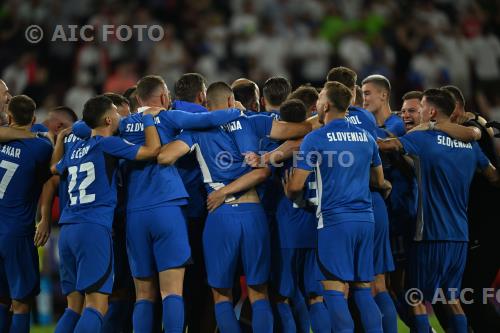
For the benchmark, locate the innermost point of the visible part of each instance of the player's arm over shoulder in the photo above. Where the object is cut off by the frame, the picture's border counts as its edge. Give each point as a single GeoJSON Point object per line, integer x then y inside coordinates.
{"type": "Point", "coordinates": [174, 150]}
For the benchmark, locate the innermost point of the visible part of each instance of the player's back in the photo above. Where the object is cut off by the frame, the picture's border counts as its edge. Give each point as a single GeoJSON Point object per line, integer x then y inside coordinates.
{"type": "Point", "coordinates": [218, 155]}
{"type": "Point", "coordinates": [147, 183]}
{"type": "Point", "coordinates": [393, 126]}
{"type": "Point", "coordinates": [90, 170]}
{"type": "Point", "coordinates": [445, 168]}
{"type": "Point", "coordinates": [24, 167]}
{"type": "Point", "coordinates": [297, 219]}
{"type": "Point", "coordinates": [343, 171]}
{"type": "Point", "coordinates": [363, 119]}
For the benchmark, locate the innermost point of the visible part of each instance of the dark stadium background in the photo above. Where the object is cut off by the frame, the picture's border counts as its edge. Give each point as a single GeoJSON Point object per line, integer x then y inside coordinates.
{"type": "Point", "coordinates": [416, 44]}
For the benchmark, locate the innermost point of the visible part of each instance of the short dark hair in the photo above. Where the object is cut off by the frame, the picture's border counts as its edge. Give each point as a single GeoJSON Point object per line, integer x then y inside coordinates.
{"type": "Point", "coordinates": [456, 92]}
{"type": "Point", "coordinates": [117, 99]}
{"type": "Point", "coordinates": [276, 90]}
{"type": "Point", "coordinates": [338, 95]}
{"type": "Point", "coordinates": [148, 85]}
{"type": "Point", "coordinates": [359, 96]}
{"type": "Point", "coordinates": [129, 94]}
{"type": "Point", "coordinates": [188, 86]}
{"type": "Point", "coordinates": [414, 94]}
{"type": "Point", "coordinates": [217, 91]}
{"type": "Point", "coordinates": [95, 109]}
{"type": "Point", "coordinates": [442, 99]}
{"type": "Point", "coordinates": [344, 75]}
{"type": "Point", "coordinates": [245, 94]}
{"type": "Point", "coordinates": [66, 110]}
{"type": "Point", "coordinates": [22, 109]}
{"type": "Point", "coordinates": [378, 80]}
{"type": "Point", "coordinates": [293, 111]}
{"type": "Point", "coordinates": [307, 94]}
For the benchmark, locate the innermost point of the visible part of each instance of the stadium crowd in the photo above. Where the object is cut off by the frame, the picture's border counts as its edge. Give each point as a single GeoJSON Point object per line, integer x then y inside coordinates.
{"type": "Point", "coordinates": [291, 199]}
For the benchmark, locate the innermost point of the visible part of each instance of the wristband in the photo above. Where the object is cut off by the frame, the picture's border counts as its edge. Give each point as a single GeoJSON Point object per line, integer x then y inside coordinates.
{"type": "Point", "coordinates": [148, 120]}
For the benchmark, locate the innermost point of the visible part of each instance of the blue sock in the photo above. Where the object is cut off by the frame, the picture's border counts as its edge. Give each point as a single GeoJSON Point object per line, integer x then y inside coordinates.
{"type": "Point", "coordinates": [301, 313]}
{"type": "Point", "coordinates": [368, 309]}
{"type": "Point", "coordinates": [459, 323]}
{"type": "Point", "coordinates": [67, 322]}
{"type": "Point", "coordinates": [90, 321]}
{"type": "Point", "coordinates": [320, 320]}
{"type": "Point", "coordinates": [422, 324]}
{"type": "Point", "coordinates": [262, 316]}
{"type": "Point", "coordinates": [143, 316]}
{"type": "Point", "coordinates": [388, 310]}
{"type": "Point", "coordinates": [173, 314]}
{"type": "Point", "coordinates": [340, 317]}
{"type": "Point", "coordinates": [20, 323]}
{"type": "Point", "coordinates": [226, 318]}
{"type": "Point", "coordinates": [4, 318]}
{"type": "Point", "coordinates": [286, 318]}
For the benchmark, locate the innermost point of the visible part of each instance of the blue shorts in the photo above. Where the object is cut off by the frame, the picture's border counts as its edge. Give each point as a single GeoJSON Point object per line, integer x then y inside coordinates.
{"type": "Point", "coordinates": [233, 233]}
{"type": "Point", "coordinates": [123, 277]}
{"type": "Point", "coordinates": [382, 255]}
{"type": "Point", "coordinates": [295, 268]}
{"type": "Point", "coordinates": [19, 272]}
{"type": "Point", "coordinates": [437, 264]}
{"type": "Point", "coordinates": [345, 252]}
{"type": "Point", "coordinates": [86, 255]}
{"type": "Point", "coordinates": [157, 240]}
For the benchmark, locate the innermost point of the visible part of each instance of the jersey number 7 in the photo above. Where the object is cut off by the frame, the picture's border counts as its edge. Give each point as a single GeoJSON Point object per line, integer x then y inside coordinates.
{"type": "Point", "coordinates": [82, 195]}
{"type": "Point", "coordinates": [10, 169]}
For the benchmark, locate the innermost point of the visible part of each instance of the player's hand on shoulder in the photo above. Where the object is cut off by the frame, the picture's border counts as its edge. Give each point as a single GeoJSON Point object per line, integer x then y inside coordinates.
{"type": "Point", "coordinates": [42, 232]}
{"type": "Point", "coordinates": [215, 199]}
{"type": "Point", "coordinates": [253, 159]}
{"type": "Point", "coordinates": [239, 106]}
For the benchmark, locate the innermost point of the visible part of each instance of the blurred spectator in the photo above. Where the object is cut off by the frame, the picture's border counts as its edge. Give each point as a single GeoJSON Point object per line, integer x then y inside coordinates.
{"type": "Point", "coordinates": [122, 78]}
{"type": "Point", "coordinates": [168, 57]}
{"type": "Point", "coordinates": [454, 48]}
{"type": "Point", "coordinates": [429, 66]}
{"type": "Point", "coordinates": [484, 51]}
{"type": "Point", "coordinates": [354, 51]}
{"type": "Point", "coordinates": [78, 94]}
{"type": "Point", "coordinates": [18, 74]}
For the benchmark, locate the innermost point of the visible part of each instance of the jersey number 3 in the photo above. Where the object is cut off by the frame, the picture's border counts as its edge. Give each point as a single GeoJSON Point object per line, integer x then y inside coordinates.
{"type": "Point", "coordinates": [82, 195]}
{"type": "Point", "coordinates": [10, 169]}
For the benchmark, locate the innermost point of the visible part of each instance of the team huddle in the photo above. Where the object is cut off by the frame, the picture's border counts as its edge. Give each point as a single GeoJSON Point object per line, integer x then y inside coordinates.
{"type": "Point", "coordinates": [315, 196]}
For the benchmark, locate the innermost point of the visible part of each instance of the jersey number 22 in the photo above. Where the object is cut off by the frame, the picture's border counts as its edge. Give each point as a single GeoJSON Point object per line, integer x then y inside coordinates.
{"type": "Point", "coordinates": [81, 197]}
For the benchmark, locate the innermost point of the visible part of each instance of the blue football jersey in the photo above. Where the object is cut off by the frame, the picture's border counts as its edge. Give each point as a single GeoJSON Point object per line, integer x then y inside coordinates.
{"type": "Point", "coordinates": [393, 126]}
{"type": "Point", "coordinates": [24, 167]}
{"type": "Point", "coordinates": [190, 172]}
{"type": "Point", "coordinates": [39, 128]}
{"type": "Point", "coordinates": [363, 119]}
{"type": "Point", "coordinates": [90, 167]}
{"type": "Point", "coordinates": [149, 184]}
{"type": "Point", "coordinates": [273, 114]}
{"type": "Point", "coordinates": [219, 151]}
{"type": "Point", "coordinates": [296, 220]}
{"type": "Point", "coordinates": [444, 169]}
{"type": "Point", "coordinates": [341, 155]}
